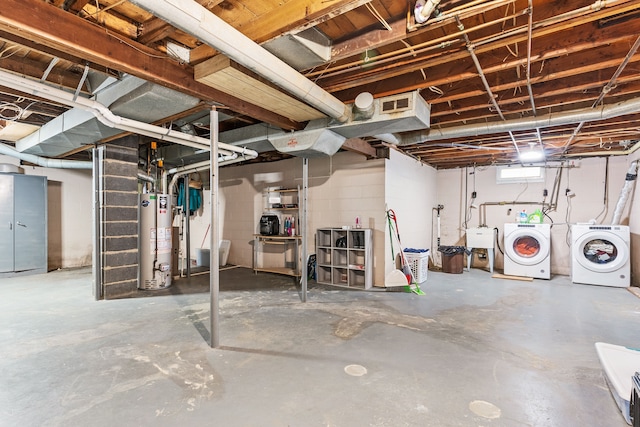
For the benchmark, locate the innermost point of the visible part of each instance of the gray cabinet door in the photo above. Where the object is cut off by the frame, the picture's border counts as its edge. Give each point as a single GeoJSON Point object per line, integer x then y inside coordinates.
{"type": "Point", "coordinates": [30, 215]}
{"type": "Point", "coordinates": [6, 223]}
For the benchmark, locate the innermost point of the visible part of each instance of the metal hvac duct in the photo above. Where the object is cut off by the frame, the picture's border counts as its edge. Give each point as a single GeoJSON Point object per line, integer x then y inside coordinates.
{"type": "Point", "coordinates": [109, 119]}
{"type": "Point", "coordinates": [129, 97]}
{"type": "Point", "coordinates": [198, 21]}
{"type": "Point", "coordinates": [547, 120]}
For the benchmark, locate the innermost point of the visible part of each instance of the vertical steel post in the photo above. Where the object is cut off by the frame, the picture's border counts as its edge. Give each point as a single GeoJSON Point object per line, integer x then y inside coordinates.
{"type": "Point", "coordinates": [303, 226]}
{"type": "Point", "coordinates": [187, 222]}
{"type": "Point", "coordinates": [214, 261]}
{"type": "Point", "coordinates": [97, 222]}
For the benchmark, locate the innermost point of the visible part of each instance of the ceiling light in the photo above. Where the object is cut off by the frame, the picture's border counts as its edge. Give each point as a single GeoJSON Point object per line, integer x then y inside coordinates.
{"type": "Point", "coordinates": [532, 155]}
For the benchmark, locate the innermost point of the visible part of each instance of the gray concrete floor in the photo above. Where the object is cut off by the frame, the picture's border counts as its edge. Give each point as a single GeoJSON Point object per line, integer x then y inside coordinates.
{"type": "Point", "coordinates": [473, 351]}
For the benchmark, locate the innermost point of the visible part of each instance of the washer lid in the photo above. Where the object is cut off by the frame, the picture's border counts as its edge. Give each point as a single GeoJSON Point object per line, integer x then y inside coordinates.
{"type": "Point", "coordinates": [527, 246]}
{"type": "Point", "coordinates": [600, 251]}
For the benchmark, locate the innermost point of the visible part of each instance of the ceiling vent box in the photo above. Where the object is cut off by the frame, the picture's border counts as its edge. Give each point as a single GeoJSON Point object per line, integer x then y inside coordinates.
{"type": "Point", "coordinates": [306, 49]}
{"type": "Point", "coordinates": [396, 113]}
{"type": "Point", "coordinates": [308, 143]}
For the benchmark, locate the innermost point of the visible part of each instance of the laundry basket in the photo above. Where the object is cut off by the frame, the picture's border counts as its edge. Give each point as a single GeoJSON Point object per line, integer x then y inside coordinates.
{"type": "Point", "coordinates": [418, 260]}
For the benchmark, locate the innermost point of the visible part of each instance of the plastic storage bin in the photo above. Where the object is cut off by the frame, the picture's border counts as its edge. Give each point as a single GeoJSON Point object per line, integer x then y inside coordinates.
{"type": "Point", "coordinates": [452, 259]}
{"type": "Point", "coordinates": [418, 260]}
{"type": "Point", "coordinates": [202, 255]}
{"type": "Point", "coordinates": [619, 365]}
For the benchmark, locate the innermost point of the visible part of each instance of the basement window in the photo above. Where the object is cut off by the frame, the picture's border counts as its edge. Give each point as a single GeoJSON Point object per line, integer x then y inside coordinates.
{"type": "Point", "coordinates": [519, 174]}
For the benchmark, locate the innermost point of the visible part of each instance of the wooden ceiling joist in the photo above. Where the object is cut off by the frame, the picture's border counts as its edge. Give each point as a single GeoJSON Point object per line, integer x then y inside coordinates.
{"type": "Point", "coordinates": [75, 36]}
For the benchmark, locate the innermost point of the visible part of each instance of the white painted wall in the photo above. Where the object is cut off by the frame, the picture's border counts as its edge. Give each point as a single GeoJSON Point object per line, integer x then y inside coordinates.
{"type": "Point", "coordinates": [69, 214]}
{"type": "Point", "coordinates": [410, 189]}
{"type": "Point", "coordinates": [586, 179]}
{"type": "Point", "coordinates": [341, 188]}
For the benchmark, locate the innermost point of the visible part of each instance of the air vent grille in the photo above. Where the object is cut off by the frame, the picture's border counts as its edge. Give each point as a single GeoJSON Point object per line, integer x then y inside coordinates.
{"type": "Point", "coordinates": [396, 104]}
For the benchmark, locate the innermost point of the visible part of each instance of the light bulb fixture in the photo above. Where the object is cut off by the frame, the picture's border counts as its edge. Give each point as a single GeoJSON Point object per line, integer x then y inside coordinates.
{"type": "Point", "coordinates": [531, 155]}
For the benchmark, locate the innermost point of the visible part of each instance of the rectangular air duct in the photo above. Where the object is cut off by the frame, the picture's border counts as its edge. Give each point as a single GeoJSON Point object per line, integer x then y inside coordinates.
{"type": "Point", "coordinates": [391, 114]}
{"type": "Point", "coordinates": [308, 143]}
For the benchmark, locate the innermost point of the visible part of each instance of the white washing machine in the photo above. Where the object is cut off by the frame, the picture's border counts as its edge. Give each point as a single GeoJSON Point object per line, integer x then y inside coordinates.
{"type": "Point", "coordinates": [600, 255]}
{"type": "Point", "coordinates": [527, 250]}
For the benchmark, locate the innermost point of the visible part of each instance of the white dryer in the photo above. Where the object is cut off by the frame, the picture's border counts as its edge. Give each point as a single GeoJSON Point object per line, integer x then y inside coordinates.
{"type": "Point", "coordinates": [527, 250]}
{"type": "Point", "coordinates": [600, 255]}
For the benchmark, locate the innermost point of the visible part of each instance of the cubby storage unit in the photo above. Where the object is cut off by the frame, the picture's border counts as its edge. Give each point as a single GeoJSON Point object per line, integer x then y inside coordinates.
{"type": "Point", "coordinates": [344, 257]}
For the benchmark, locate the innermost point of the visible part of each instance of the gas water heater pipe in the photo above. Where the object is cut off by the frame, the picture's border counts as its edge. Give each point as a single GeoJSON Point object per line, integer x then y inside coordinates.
{"type": "Point", "coordinates": [437, 209]}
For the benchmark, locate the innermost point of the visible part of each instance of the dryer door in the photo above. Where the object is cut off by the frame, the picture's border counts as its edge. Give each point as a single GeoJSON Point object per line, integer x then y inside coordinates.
{"type": "Point", "coordinates": [526, 246]}
{"type": "Point", "coordinates": [600, 252]}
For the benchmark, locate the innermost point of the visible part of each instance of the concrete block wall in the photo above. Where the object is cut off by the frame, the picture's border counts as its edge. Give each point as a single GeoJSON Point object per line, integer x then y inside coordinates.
{"type": "Point", "coordinates": [120, 218]}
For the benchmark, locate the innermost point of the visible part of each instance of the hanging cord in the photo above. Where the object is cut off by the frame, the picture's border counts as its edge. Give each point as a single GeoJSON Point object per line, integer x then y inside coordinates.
{"type": "Point", "coordinates": [497, 234]}
{"type": "Point", "coordinates": [605, 199]}
{"type": "Point", "coordinates": [567, 215]}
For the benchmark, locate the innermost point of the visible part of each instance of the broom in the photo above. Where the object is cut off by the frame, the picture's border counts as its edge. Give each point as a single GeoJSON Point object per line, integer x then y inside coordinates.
{"type": "Point", "coordinates": [412, 285]}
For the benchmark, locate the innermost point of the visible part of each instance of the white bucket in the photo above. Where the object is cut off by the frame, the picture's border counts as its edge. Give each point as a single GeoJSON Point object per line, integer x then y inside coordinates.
{"type": "Point", "coordinates": [203, 255]}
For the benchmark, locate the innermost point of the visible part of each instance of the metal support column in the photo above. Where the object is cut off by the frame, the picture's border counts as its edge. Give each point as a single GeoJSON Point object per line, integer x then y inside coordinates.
{"type": "Point", "coordinates": [187, 223]}
{"type": "Point", "coordinates": [98, 155]}
{"type": "Point", "coordinates": [303, 226]}
{"type": "Point", "coordinates": [214, 260]}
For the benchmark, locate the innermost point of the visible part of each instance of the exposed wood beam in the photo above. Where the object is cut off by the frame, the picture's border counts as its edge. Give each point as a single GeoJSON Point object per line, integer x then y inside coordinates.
{"type": "Point", "coordinates": [370, 40]}
{"type": "Point", "coordinates": [296, 15]}
{"type": "Point", "coordinates": [68, 33]}
{"type": "Point", "coordinates": [290, 17]}
{"type": "Point", "coordinates": [154, 30]}
{"type": "Point", "coordinates": [29, 67]}
{"type": "Point", "coordinates": [547, 36]}
{"type": "Point", "coordinates": [360, 146]}
{"type": "Point", "coordinates": [30, 44]}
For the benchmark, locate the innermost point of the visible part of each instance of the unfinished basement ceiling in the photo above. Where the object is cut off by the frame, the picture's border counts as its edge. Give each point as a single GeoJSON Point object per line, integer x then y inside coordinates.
{"type": "Point", "coordinates": [501, 77]}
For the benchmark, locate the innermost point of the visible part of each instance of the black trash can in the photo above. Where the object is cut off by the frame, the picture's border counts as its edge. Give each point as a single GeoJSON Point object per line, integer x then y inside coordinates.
{"type": "Point", "coordinates": [452, 258]}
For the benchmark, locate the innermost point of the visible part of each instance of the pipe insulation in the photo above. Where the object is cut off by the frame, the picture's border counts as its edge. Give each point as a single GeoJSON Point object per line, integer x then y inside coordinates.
{"type": "Point", "coordinates": [105, 116]}
{"type": "Point", "coordinates": [629, 183]}
{"type": "Point", "coordinates": [198, 21]}
{"type": "Point", "coordinates": [423, 10]}
{"type": "Point", "coordinates": [548, 120]}
{"type": "Point", "coordinates": [44, 162]}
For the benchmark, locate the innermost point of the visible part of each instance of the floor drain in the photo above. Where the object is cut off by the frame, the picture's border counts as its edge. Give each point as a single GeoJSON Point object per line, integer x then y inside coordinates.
{"type": "Point", "coordinates": [355, 370]}
{"type": "Point", "coordinates": [485, 409]}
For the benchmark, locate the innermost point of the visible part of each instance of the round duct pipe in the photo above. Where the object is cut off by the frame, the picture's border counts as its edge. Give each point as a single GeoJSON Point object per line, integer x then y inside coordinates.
{"type": "Point", "coordinates": [363, 107]}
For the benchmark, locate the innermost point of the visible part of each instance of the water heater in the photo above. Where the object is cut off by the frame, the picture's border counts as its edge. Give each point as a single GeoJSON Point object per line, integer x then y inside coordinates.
{"type": "Point", "coordinates": [154, 241]}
